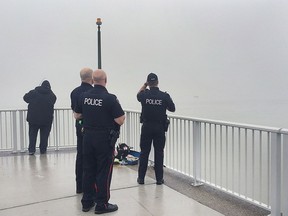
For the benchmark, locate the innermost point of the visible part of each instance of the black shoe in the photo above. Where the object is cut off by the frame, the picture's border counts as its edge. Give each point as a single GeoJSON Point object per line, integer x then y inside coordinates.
{"type": "Point", "coordinates": [140, 181]}
{"type": "Point", "coordinates": [106, 208]}
{"type": "Point", "coordinates": [160, 182]}
{"type": "Point", "coordinates": [86, 208]}
{"type": "Point", "coordinates": [31, 153]}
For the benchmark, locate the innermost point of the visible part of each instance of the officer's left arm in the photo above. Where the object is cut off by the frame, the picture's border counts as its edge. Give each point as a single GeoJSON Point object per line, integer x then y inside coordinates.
{"type": "Point", "coordinates": [170, 104]}
{"type": "Point", "coordinates": [117, 111]}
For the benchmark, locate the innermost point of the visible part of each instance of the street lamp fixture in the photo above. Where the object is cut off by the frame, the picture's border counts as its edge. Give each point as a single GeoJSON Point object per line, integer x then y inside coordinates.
{"type": "Point", "coordinates": [99, 23]}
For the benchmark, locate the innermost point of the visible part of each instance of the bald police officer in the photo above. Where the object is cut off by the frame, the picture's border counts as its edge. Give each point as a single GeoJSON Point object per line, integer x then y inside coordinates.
{"type": "Point", "coordinates": [86, 84]}
{"type": "Point", "coordinates": [103, 116]}
{"type": "Point", "coordinates": [154, 105]}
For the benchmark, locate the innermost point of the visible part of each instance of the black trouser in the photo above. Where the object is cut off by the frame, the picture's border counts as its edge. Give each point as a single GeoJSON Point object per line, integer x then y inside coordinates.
{"type": "Point", "coordinates": [152, 132]}
{"type": "Point", "coordinates": [79, 157]}
{"type": "Point", "coordinates": [44, 134]}
{"type": "Point", "coordinates": [98, 157]}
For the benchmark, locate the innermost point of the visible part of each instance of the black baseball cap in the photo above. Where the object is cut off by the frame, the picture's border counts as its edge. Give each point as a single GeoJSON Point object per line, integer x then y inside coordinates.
{"type": "Point", "coordinates": [152, 77]}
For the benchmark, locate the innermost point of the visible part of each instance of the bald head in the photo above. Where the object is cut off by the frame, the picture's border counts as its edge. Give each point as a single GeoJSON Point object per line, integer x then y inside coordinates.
{"type": "Point", "coordinates": [86, 75]}
{"type": "Point", "coordinates": [99, 77]}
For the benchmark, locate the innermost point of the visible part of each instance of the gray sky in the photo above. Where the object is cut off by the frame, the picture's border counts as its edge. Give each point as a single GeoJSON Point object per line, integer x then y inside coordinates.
{"type": "Point", "coordinates": [206, 50]}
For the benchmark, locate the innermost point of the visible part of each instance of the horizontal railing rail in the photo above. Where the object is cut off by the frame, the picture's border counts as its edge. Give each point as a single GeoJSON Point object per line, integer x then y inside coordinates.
{"type": "Point", "coordinates": [247, 161]}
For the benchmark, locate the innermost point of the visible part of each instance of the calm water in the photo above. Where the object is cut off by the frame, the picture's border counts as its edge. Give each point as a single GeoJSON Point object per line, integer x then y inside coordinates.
{"type": "Point", "coordinates": [272, 113]}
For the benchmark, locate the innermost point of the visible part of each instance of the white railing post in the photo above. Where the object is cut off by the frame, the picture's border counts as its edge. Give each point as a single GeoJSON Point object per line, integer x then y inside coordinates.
{"type": "Point", "coordinates": [285, 176]}
{"type": "Point", "coordinates": [21, 131]}
{"type": "Point", "coordinates": [196, 153]}
{"type": "Point", "coordinates": [276, 174]}
{"type": "Point", "coordinates": [14, 131]}
{"type": "Point", "coordinates": [56, 132]}
{"type": "Point", "coordinates": [128, 126]}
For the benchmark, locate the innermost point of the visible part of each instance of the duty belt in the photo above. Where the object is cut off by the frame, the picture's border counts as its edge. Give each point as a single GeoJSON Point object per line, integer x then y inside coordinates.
{"type": "Point", "coordinates": [153, 121]}
{"type": "Point", "coordinates": [96, 128]}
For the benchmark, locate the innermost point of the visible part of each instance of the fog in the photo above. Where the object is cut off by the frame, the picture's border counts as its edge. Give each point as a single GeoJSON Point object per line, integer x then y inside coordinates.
{"type": "Point", "coordinates": [202, 51]}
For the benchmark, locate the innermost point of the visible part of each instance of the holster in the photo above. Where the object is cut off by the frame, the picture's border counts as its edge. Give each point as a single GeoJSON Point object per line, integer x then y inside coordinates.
{"type": "Point", "coordinates": [166, 125]}
{"type": "Point", "coordinates": [113, 136]}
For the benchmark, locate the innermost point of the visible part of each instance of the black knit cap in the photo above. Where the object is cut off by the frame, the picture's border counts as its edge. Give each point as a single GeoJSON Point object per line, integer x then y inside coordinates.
{"type": "Point", "coordinates": [152, 77]}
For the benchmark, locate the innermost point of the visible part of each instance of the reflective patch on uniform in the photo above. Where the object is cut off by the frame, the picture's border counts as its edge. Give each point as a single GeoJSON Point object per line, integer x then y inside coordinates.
{"type": "Point", "coordinates": [93, 101]}
{"type": "Point", "coordinates": [157, 102]}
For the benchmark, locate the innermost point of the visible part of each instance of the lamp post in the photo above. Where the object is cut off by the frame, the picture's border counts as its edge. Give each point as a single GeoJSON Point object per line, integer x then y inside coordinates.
{"type": "Point", "coordinates": [98, 23]}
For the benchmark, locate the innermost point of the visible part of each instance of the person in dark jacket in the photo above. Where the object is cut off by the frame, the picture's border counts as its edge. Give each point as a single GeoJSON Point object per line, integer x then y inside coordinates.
{"type": "Point", "coordinates": [41, 102]}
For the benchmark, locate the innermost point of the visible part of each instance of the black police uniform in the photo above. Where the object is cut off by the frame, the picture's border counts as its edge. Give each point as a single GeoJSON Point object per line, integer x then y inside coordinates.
{"type": "Point", "coordinates": [154, 104]}
{"type": "Point", "coordinates": [75, 96]}
{"type": "Point", "coordinates": [99, 109]}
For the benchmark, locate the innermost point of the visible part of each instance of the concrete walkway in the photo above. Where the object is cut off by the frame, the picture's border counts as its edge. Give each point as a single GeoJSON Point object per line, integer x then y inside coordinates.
{"type": "Point", "coordinates": [45, 185]}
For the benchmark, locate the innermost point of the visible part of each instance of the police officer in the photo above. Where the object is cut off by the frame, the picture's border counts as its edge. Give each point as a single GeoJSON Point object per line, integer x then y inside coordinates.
{"type": "Point", "coordinates": [102, 115]}
{"type": "Point", "coordinates": [154, 105]}
{"type": "Point", "coordinates": [86, 84]}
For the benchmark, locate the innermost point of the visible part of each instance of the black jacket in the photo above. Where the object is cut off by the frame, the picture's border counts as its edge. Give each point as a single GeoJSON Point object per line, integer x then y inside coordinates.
{"type": "Point", "coordinates": [41, 102]}
{"type": "Point", "coordinates": [154, 105]}
{"type": "Point", "coordinates": [77, 92]}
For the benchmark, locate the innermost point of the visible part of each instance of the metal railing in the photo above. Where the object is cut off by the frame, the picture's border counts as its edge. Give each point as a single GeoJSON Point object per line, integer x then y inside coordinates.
{"type": "Point", "coordinates": [247, 161]}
